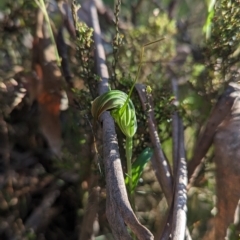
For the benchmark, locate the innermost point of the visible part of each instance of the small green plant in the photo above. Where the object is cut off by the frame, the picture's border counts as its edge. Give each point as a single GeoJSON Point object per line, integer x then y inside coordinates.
{"type": "Point", "coordinates": [208, 24]}
{"type": "Point", "coordinates": [42, 6]}
{"type": "Point", "coordinates": [138, 167]}
{"type": "Point", "coordinates": [123, 112]}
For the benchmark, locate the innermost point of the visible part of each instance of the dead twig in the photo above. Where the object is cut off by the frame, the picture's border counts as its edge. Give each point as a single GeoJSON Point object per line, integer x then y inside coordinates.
{"type": "Point", "coordinates": [180, 171]}
{"type": "Point", "coordinates": [226, 146]}
{"type": "Point", "coordinates": [37, 218]}
{"type": "Point", "coordinates": [177, 212]}
{"type": "Point", "coordinates": [160, 163]}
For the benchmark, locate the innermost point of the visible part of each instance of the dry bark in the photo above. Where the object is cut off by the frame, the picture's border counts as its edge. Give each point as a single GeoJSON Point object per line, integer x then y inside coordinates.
{"type": "Point", "coordinates": [160, 163]}
{"type": "Point", "coordinates": [177, 210]}
{"type": "Point", "coordinates": [222, 130]}
{"type": "Point", "coordinates": [227, 159]}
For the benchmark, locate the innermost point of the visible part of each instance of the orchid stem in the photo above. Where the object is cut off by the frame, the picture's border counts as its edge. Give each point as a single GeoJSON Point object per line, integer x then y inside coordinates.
{"type": "Point", "coordinates": [129, 146]}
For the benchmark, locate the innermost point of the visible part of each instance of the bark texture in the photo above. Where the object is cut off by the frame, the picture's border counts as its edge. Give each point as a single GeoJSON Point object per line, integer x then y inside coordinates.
{"type": "Point", "coordinates": [227, 159]}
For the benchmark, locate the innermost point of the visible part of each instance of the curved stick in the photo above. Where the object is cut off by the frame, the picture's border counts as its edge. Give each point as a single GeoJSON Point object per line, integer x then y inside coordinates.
{"type": "Point", "coordinates": [160, 163]}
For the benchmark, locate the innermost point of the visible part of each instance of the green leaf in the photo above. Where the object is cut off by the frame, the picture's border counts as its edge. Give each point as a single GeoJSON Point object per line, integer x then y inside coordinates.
{"type": "Point", "coordinates": [138, 166]}
{"type": "Point", "coordinates": [208, 24]}
{"type": "Point", "coordinates": [122, 110]}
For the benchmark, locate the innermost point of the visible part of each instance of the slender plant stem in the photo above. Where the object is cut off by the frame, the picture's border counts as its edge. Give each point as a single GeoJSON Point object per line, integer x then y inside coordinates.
{"type": "Point", "coordinates": [138, 71]}
{"type": "Point", "coordinates": [129, 143]}
{"type": "Point", "coordinates": [129, 139]}
{"type": "Point", "coordinates": [42, 5]}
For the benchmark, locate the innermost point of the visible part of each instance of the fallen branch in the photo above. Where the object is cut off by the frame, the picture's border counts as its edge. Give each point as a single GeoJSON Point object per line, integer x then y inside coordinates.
{"type": "Point", "coordinates": [175, 128]}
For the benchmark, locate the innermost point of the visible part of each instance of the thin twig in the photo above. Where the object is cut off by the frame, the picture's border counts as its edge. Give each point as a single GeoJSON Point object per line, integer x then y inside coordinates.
{"type": "Point", "coordinates": [179, 215]}
{"type": "Point", "coordinates": [180, 198]}
{"type": "Point", "coordinates": [175, 127]}
{"type": "Point", "coordinates": [218, 114]}
{"type": "Point", "coordinates": [160, 163]}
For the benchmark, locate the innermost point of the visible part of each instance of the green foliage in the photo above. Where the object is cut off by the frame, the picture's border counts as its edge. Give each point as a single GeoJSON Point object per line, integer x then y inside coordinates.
{"type": "Point", "coordinates": [153, 68]}
{"type": "Point", "coordinates": [42, 6]}
{"type": "Point", "coordinates": [225, 34]}
{"type": "Point", "coordinates": [138, 167]}
{"type": "Point", "coordinates": [84, 47]}
{"type": "Point", "coordinates": [155, 55]}
{"type": "Point", "coordinates": [84, 36]}
{"type": "Point", "coordinates": [18, 19]}
{"type": "Point", "coordinates": [122, 110]}
{"type": "Point", "coordinates": [223, 50]}
{"type": "Point", "coordinates": [208, 24]}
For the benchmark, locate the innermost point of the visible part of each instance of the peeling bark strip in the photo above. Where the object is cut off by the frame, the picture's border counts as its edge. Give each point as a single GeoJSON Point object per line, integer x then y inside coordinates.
{"type": "Point", "coordinates": [175, 127]}
{"type": "Point", "coordinates": [118, 206]}
{"type": "Point", "coordinates": [180, 198]}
